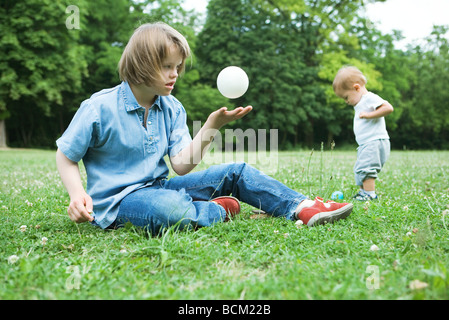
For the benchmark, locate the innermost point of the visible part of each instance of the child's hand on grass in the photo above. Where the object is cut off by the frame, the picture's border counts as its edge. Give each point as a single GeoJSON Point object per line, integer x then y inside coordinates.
{"type": "Point", "coordinates": [80, 208]}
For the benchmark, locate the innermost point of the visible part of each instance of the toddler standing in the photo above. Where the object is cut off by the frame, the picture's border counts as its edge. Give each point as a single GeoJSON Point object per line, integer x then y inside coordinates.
{"type": "Point", "coordinates": [369, 128]}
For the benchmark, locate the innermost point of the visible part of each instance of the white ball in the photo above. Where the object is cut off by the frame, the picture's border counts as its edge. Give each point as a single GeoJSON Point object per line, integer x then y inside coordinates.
{"type": "Point", "coordinates": [232, 82]}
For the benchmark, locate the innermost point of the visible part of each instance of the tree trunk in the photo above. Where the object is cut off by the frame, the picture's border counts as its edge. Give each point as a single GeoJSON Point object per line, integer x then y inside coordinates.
{"type": "Point", "coordinates": [3, 134]}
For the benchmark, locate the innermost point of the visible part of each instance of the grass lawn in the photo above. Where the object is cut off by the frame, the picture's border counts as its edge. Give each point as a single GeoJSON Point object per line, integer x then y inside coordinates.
{"type": "Point", "coordinates": [394, 248]}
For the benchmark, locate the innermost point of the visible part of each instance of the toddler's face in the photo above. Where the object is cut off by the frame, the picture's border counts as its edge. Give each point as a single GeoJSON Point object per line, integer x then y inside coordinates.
{"type": "Point", "coordinates": [351, 96]}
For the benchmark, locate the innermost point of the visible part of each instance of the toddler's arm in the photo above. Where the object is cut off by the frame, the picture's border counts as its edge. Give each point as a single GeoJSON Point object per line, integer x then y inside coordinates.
{"type": "Point", "coordinates": [80, 202]}
{"type": "Point", "coordinates": [382, 111]}
{"type": "Point", "coordinates": [190, 156]}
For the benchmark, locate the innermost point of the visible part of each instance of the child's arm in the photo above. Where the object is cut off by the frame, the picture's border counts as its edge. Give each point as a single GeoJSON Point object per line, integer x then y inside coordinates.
{"type": "Point", "coordinates": [382, 111]}
{"type": "Point", "coordinates": [80, 202]}
{"type": "Point", "coordinates": [189, 157]}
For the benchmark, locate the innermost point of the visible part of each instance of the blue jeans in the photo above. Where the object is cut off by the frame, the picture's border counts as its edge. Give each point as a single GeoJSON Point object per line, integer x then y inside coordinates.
{"type": "Point", "coordinates": [183, 201]}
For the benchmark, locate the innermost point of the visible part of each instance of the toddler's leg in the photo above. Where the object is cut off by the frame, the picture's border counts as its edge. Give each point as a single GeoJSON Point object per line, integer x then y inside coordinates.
{"type": "Point", "coordinates": [368, 165]}
{"type": "Point", "coordinates": [369, 184]}
{"type": "Point", "coordinates": [370, 159]}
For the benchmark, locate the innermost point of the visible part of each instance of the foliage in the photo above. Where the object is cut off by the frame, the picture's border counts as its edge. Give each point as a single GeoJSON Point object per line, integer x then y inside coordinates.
{"type": "Point", "coordinates": [428, 110]}
{"type": "Point", "coordinates": [41, 64]}
{"type": "Point", "coordinates": [290, 49]}
{"type": "Point", "coordinates": [236, 34]}
{"type": "Point", "coordinates": [278, 43]}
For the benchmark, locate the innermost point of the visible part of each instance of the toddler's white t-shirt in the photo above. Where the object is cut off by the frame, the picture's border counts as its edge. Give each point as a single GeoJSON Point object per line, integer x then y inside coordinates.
{"type": "Point", "coordinates": [366, 130]}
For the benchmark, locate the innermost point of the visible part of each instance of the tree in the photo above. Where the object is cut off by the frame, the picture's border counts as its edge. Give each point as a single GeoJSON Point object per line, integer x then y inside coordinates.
{"type": "Point", "coordinates": [425, 120]}
{"type": "Point", "coordinates": [40, 62]}
{"type": "Point", "coordinates": [54, 56]}
{"type": "Point", "coordinates": [361, 45]}
{"type": "Point", "coordinates": [280, 44]}
{"type": "Point", "coordinates": [246, 34]}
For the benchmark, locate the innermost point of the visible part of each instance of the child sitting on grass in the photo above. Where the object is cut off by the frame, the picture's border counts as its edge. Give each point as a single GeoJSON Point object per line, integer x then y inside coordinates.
{"type": "Point", "coordinates": [369, 128]}
{"type": "Point", "coordinates": [123, 133]}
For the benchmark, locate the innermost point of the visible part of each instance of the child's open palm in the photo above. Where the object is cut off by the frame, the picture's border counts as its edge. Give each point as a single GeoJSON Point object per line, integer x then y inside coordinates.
{"type": "Point", "coordinates": [222, 116]}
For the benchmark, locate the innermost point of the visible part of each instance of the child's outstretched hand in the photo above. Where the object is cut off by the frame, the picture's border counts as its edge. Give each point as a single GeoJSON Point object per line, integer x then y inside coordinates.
{"type": "Point", "coordinates": [222, 116]}
{"type": "Point", "coordinates": [187, 159]}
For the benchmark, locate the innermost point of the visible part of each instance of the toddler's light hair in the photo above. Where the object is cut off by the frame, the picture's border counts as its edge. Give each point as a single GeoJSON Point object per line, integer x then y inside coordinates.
{"type": "Point", "coordinates": [150, 44]}
{"type": "Point", "coordinates": [346, 77]}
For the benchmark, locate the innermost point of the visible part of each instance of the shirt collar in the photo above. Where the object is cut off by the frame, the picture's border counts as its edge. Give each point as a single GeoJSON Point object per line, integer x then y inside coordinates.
{"type": "Point", "coordinates": [130, 101]}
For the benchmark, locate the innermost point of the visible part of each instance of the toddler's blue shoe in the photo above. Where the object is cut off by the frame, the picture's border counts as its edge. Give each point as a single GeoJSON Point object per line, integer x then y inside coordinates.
{"type": "Point", "coordinates": [363, 196]}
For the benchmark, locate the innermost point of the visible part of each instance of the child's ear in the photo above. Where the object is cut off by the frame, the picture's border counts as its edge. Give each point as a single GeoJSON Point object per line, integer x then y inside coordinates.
{"type": "Point", "coordinates": [357, 86]}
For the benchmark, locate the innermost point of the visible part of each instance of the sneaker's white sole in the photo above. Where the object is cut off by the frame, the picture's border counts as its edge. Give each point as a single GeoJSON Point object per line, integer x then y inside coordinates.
{"type": "Point", "coordinates": [331, 216]}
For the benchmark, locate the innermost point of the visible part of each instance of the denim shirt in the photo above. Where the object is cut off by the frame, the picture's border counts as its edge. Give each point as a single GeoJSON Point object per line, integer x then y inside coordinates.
{"type": "Point", "coordinates": [121, 155]}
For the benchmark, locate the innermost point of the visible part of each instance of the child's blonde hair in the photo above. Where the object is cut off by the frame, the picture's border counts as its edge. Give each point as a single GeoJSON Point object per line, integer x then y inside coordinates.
{"type": "Point", "coordinates": [346, 77]}
{"type": "Point", "coordinates": [150, 44]}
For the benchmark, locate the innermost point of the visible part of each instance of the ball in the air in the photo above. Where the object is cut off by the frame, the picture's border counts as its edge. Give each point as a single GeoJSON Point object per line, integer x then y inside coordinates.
{"type": "Point", "coordinates": [337, 195]}
{"type": "Point", "coordinates": [232, 82]}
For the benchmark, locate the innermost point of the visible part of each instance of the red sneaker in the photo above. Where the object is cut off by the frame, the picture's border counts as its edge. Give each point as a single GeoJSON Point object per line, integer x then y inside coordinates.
{"type": "Point", "coordinates": [230, 204]}
{"type": "Point", "coordinates": [321, 213]}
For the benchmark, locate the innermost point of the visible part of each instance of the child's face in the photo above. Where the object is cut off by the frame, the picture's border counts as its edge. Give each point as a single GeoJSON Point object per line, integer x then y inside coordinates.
{"type": "Point", "coordinates": [353, 95]}
{"type": "Point", "coordinates": [170, 69]}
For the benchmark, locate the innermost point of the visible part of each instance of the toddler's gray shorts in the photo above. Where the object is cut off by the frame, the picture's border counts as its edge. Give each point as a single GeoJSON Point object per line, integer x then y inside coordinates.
{"type": "Point", "coordinates": [371, 158]}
